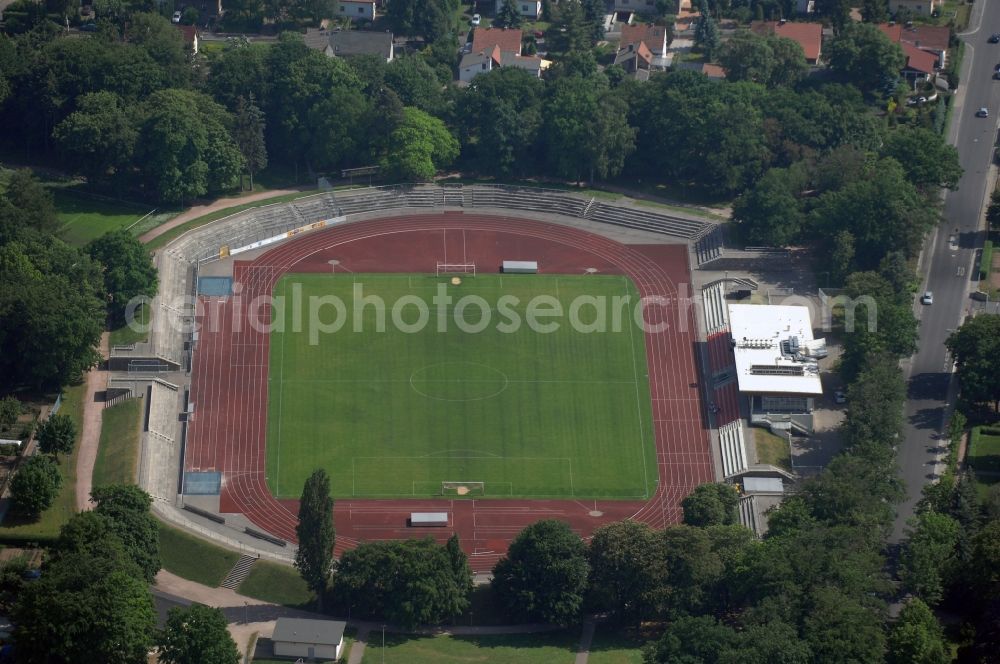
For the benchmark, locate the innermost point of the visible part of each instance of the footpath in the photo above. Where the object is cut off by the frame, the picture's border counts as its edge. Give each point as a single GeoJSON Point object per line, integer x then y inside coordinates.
{"type": "Point", "coordinates": [90, 433]}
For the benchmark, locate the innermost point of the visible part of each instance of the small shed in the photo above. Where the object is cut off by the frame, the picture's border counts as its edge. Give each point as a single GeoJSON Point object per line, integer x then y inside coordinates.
{"type": "Point", "coordinates": [299, 637]}
{"type": "Point", "coordinates": [520, 267]}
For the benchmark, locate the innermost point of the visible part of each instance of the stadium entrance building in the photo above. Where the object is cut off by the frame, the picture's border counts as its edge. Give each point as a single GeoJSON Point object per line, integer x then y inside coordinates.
{"type": "Point", "coordinates": [777, 364]}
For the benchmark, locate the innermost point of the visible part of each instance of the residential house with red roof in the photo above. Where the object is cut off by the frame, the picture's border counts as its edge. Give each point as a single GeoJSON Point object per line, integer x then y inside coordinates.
{"type": "Point", "coordinates": [925, 47]}
{"type": "Point", "coordinates": [807, 35]}
{"type": "Point", "coordinates": [653, 36]}
{"type": "Point", "coordinates": [484, 39]}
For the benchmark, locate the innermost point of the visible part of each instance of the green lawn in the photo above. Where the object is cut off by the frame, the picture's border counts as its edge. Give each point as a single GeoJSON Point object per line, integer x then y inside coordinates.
{"type": "Point", "coordinates": [118, 454]}
{"type": "Point", "coordinates": [984, 449]}
{"type": "Point", "coordinates": [124, 335]}
{"type": "Point", "coordinates": [85, 219]}
{"type": "Point", "coordinates": [612, 647]}
{"type": "Point", "coordinates": [772, 449]}
{"type": "Point", "coordinates": [46, 528]}
{"type": "Point", "coordinates": [193, 558]}
{"type": "Point", "coordinates": [278, 584]}
{"type": "Point", "coordinates": [546, 648]}
{"type": "Point", "coordinates": [528, 413]}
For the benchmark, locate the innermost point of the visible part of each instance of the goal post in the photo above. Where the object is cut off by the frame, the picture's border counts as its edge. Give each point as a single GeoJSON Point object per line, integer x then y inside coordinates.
{"type": "Point", "coordinates": [456, 268]}
{"type": "Point", "coordinates": [463, 488]}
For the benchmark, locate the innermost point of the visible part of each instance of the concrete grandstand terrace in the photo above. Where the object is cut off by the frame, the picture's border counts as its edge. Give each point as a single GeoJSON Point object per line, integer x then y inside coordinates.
{"type": "Point", "coordinates": [230, 375]}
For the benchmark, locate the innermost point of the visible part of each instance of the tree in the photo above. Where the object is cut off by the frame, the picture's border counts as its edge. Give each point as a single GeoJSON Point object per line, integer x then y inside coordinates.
{"type": "Point", "coordinates": [430, 18]}
{"type": "Point", "coordinates": [92, 607]}
{"type": "Point", "coordinates": [691, 640]}
{"type": "Point", "coordinates": [196, 635]}
{"type": "Point", "coordinates": [51, 313]}
{"type": "Point", "coordinates": [976, 349]}
{"type": "Point", "coordinates": [543, 577]}
{"type": "Point", "coordinates": [569, 32]}
{"type": "Point", "coordinates": [625, 569]}
{"type": "Point", "coordinates": [459, 566]}
{"type": "Point", "coordinates": [993, 211]}
{"type": "Point", "coordinates": [882, 210]}
{"type": "Point", "coordinates": [99, 137]}
{"type": "Point", "coordinates": [586, 130]}
{"type": "Point", "coordinates": [185, 148]}
{"type": "Point", "coordinates": [917, 638]}
{"type": "Point", "coordinates": [126, 507]}
{"type": "Point", "coordinates": [248, 132]}
{"type": "Point", "coordinates": [769, 60]}
{"type": "Point", "coordinates": [929, 162]}
{"type": "Point", "coordinates": [770, 213]}
{"type": "Point", "coordinates": [773, 642]}
{"type": "Point", "coordinates": [402, 582]}
{"type": "Point", "coordinates": [508, 16]}
{"type": "Point", "coordinates": [874, 11]}
{"type": "Point", "coordinates": [57, 435]}
{"type": "Point", "coordinates": [928, 563]}
{"type": "Point", "coordinates": [10, 410]}
{"type": "Point", "coordinates": [840, 630]}
{"type": "Point", "coordinates": [706, 33]}
{"type": "Point", "coordinates": [838, 11]}
{"type": "Point", "coordinates": [35, 485]}
{"type": "Point", "coordinates": [711, 504]}
{"type": "Point", "coordinates": [314, 557]}
{"type": "Point", "coordinates": [129, 272]}
{"type": "Point", "coordinates": [33, 201]}
{"type": "Point", "coordinates": [419, 146]}
{"type": "Point", "coordinates": [862, 55]}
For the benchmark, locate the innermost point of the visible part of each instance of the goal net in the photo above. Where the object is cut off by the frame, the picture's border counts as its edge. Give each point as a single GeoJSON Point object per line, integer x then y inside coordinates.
{"type": "Point", "coordinates": [456, 268]}
{"type": "Point", "coordinates": [463, 488]}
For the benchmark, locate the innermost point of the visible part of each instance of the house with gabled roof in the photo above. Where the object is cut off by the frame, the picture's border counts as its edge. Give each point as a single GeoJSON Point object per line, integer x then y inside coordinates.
{"type": "Point", "coordinates": [807, 35]}
{"type": "Point", "coordinates": [508, 40]}
{"type": "Point", "coordinates": [654, 36]}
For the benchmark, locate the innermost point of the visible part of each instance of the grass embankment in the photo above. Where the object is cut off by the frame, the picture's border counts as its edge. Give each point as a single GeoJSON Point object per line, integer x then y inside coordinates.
{"type": "Point", "coordinates": [124, 335]}
{"type": "Point", "coordinates": [546, 648]}
{"type": "Point", "coordinates": [193, 558]}
{"type": "Point", "coordinates": [772, 449]}
{"type": "Point", "coordinates": [177, 231]}
{"type": "Point", "coordinates": [986, 263]}
{"type": "Point", "coordinates": [199, 560]}
{"type": "Point", "coordinates": [46, 528]}
{"type": "Point", "coordinates": [275, 583]}
{"type": "Point", "coordinates": [118, 454]}
{"type": "Point", "coordinates": [452, 392]}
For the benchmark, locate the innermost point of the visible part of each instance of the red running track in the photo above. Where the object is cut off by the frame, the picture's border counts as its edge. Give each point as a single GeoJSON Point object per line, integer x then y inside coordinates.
{"type": "Point", "coordinates": [229, 382]}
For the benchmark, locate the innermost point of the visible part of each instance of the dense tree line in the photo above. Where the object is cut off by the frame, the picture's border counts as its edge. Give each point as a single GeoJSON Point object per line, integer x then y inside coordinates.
{"type": "Point", "coordinates": [54, 298]}
{"type": "Point", "coordinates": [130, 110]}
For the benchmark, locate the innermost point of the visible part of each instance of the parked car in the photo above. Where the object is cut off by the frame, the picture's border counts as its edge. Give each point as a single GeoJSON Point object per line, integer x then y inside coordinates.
{"type": "Point", "coordinates": [927, 298]}
{"type": "Point", "coordinates": [476, 19]}
{"type": "Point", "coordinates": [839, 397]}
{"type": "Point", "coordinates": [88, 27]}
{"type": "Point", "coordinates": [983, 113]}
{"type": "Point", "coordinates": [995, 38]}
{"type": "Point", "coordinates": [176, 18]}
{"type": "Point", "coordinates": [916, 101]}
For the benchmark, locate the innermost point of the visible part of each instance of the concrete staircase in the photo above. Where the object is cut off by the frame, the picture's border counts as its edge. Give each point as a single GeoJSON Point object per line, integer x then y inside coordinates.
{"type": "Point", "coordinates": [239, 572]}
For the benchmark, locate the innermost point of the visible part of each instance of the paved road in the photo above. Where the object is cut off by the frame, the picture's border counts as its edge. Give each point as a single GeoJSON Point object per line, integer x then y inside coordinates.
{"type": "Point", "coordinates": [948, 261]}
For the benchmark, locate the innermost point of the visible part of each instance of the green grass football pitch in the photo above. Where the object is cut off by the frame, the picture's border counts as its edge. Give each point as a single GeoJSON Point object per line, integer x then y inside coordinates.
{"type": "Point", "coordinates": [396, 413]}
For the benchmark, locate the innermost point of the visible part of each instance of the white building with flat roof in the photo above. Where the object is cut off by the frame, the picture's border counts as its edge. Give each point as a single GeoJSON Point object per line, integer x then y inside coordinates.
{"type": "Point", "coordinates": [776, 357]}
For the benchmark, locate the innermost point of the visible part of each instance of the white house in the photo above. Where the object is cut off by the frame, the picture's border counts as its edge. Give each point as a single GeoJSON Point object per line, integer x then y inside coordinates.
{"type": "Point", "coordinates": [636, 6]}
{"type": "Point", "coordinates": [357, 9]}
{"type": "Point", "coordinates": [529, 8]}
{"type": "Point", "coordinates": [473, 64]}
{"type": "Point", "coordinates": [313, 639]}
